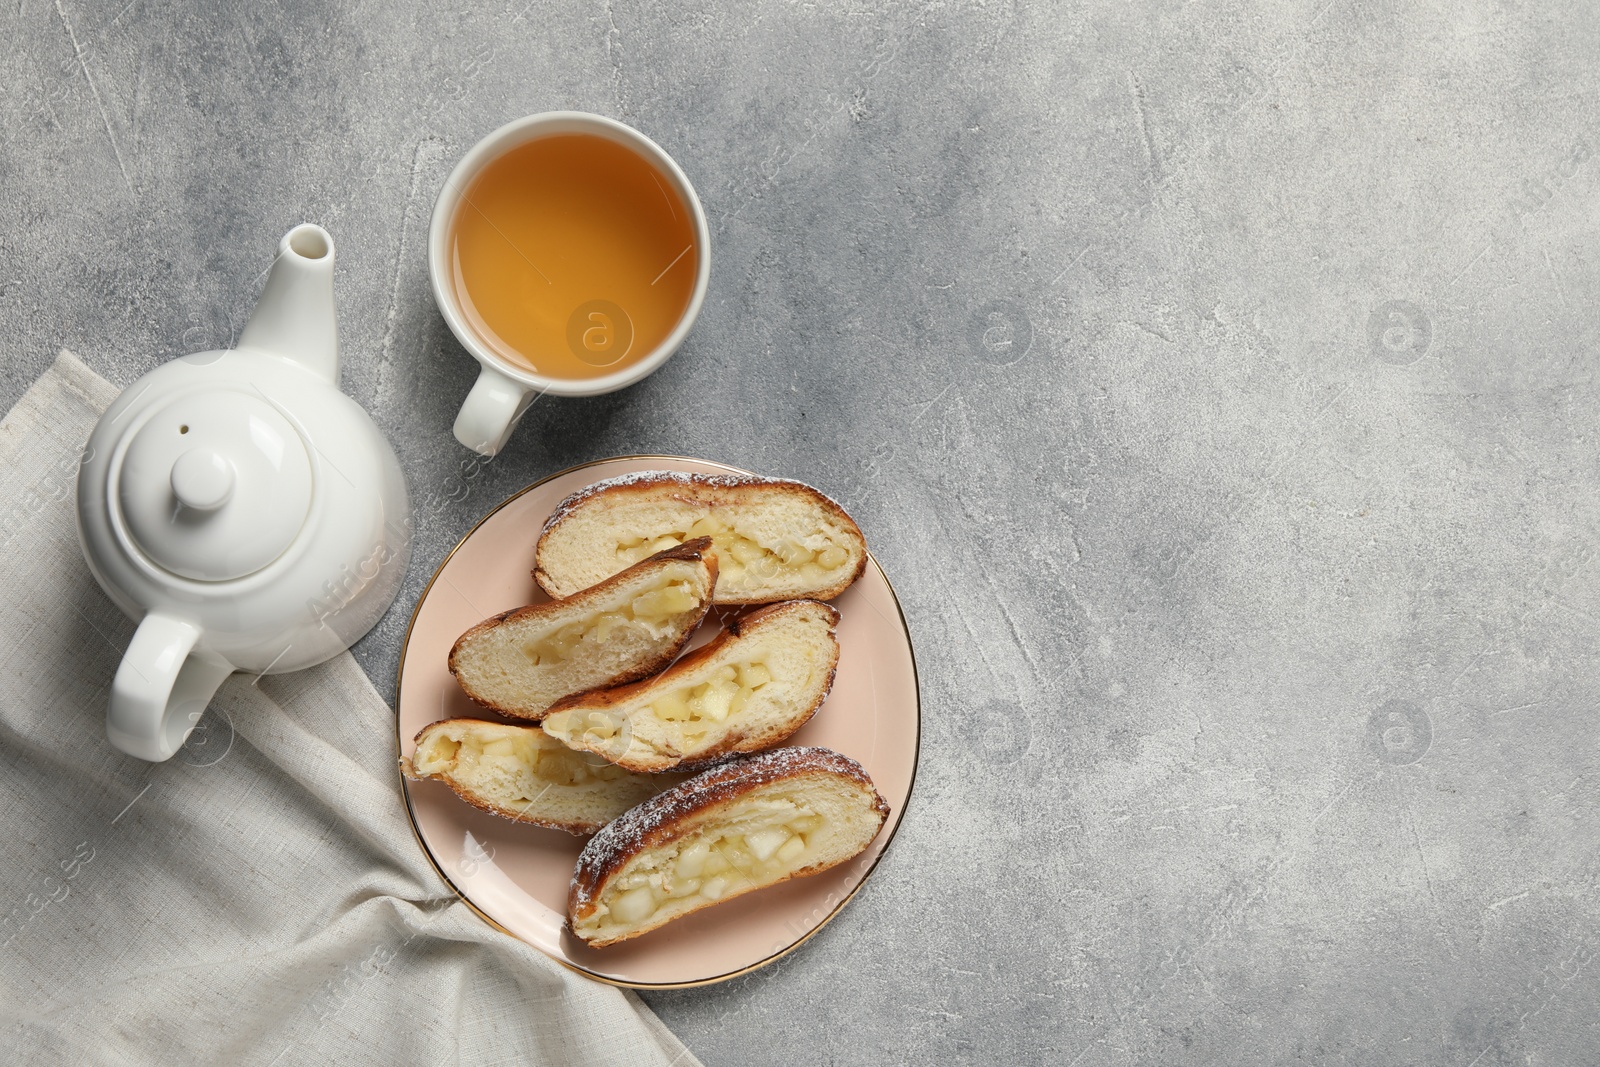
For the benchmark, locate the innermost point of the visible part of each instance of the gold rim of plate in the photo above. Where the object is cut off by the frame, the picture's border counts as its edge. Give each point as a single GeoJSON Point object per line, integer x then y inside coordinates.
{"type": "Point", "coordinates": [411, 815]}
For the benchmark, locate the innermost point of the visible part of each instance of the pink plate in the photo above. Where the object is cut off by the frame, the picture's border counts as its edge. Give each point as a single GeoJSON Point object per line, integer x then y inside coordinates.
{"type": "Point", "coordinates": [516, 876]}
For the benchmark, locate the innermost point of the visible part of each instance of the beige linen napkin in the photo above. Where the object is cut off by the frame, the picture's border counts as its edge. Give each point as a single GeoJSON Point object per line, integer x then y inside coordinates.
{"type": "Point", "coordinates": [259, 898]}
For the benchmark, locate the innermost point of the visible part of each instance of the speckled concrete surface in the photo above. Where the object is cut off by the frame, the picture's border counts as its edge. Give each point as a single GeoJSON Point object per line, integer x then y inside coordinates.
{"type": "Point", "coordinates": [1215, 381]}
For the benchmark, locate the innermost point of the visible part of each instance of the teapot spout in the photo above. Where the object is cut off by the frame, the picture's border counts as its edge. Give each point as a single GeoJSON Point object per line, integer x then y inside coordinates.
{"type": "Point", "coordinates": [294, 319]}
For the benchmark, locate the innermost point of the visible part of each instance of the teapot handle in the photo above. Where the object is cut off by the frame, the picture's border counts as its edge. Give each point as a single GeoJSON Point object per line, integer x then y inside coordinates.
{"type": "Point", "coordinates": [491, 411]}
{"type": "Point", "coordinates": [160, 690]}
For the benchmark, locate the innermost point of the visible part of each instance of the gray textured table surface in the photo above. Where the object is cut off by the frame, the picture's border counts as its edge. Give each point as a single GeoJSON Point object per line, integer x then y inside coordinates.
{"type": "Point", "coordinates": [1214, 381]}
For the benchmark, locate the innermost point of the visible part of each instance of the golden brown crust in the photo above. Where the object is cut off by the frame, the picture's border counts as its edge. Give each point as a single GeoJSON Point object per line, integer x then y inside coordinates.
{"type": "Point", "coordinates": [472, 797]}
{"type": "Point", "coordinates": [735, 742]}
{"type": "Point", "coordinates": [657, 820]}
{"type": "Point", "coordinates": [579, 829]}
{"type": "Point", "coordinates": [708, 490]}
{"type": "Point", "coordinates": [693, 551]}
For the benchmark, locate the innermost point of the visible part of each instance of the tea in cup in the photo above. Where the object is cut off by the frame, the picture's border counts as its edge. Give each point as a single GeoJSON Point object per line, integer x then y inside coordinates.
{"type": "Point", "coordinates": [569, 254]}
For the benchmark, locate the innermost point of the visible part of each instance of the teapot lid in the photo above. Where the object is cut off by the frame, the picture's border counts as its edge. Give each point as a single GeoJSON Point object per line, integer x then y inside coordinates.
{"type": "Point", "coordinates": [215, 484]}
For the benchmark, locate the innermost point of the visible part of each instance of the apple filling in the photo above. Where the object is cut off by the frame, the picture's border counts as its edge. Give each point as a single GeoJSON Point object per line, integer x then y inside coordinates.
{"type": "Point", "coordinates": [648, 610]}
{"type": "Point", "coordinates": [710, 865]}
{"type": "Point", "coordinates": [741, 558]}
{"type": "Point", "coordinates": [523, 760]}
{"type": "Point", "coordinates": [695, 709]}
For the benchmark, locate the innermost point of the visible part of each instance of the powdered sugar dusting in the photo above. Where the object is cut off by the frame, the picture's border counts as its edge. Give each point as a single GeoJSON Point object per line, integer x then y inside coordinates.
{"type": "Point", "coordinates": [719, 481]}
{"type": "Point", "coordinates": [652, 822]}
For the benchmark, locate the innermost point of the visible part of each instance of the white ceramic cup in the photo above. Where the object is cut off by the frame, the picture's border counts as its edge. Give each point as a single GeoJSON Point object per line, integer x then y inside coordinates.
{"type": "Point", "coordinates": [504, 389]}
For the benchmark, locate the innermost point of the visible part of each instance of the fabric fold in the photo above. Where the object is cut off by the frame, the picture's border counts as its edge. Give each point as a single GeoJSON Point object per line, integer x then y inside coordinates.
{"type": "Point", "coordinates": [259, 898]}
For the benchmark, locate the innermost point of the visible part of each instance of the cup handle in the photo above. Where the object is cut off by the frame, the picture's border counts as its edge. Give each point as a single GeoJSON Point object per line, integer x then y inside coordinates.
{"type": "Point", "coordinates": [160, 690]}
{"type": "Point", "coordinates": [491, 411]}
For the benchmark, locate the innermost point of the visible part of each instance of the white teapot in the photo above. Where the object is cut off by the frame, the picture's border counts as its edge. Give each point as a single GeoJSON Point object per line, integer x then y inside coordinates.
{"type": "Point", "coordinates": [250, 515]}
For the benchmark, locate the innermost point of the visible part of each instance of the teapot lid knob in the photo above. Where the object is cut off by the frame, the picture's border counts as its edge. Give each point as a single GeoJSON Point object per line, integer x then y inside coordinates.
{"type": "Point", "coordinates": [202, 479]}
{"type": "Point", "coordinates": [213, 485]}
